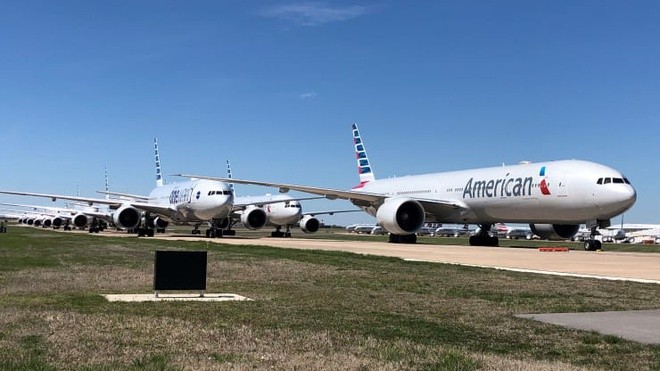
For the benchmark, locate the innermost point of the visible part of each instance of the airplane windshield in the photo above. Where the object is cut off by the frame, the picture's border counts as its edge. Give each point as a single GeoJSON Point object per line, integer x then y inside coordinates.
{"type": "Point", "coordinates": [613, 180]}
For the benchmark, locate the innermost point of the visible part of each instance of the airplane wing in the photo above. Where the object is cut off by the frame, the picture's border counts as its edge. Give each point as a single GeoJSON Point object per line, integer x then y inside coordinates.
{"type": "Point", "coordinates": [328, 193]}
{"type": "Point", "coordinates": [243, 205]}
{"type": "Point", "coordinates": [88, 200]}
{"type": "Point", "coordinates": [126, 196]}
{"type": "Point", "coordinates": [330, 212]}
{"type": "Point", "coordinates": [432, 207]}
{"type": "Point", "coordinates": [153, 208]}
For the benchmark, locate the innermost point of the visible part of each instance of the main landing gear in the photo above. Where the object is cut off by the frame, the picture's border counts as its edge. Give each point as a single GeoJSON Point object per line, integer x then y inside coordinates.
{"type": "Point", "coordinates": [402, 238]}
{"type": "Point", "coordinates": [483, 238]}
{"type": "Point", "coordinates": [279, 234]}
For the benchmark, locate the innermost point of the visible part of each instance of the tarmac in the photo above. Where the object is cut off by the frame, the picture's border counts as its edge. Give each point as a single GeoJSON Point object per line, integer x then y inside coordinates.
{"type": "Point", "coordinates": [635, 267]}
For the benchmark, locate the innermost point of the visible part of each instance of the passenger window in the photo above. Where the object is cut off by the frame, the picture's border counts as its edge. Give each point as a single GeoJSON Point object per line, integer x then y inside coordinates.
{"type": "Point", "coordinates": [600, 181]}
{"type": "Point", "coordinates": [608, 180]}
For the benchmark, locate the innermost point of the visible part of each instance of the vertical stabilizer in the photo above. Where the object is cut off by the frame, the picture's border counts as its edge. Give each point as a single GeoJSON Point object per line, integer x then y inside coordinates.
{"type": "Point", "coordinates": [231, 185]}
{"type": "Point", "coordinates": [159, 174]}
{"type": "Point", "coordinates": [107, 186]}
{"type": "Point", "coordinates": [363, 165]}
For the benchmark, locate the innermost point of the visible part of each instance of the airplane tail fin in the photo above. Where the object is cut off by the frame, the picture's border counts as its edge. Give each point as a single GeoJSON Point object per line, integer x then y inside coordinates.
{"type": "Point", "coordinates": [159, 174]}
{"type": "Point", "coordinates": [231, 185]}
{"type": "Point", "coordinates": [364, 167]}
{"type": "Point", "coordinates": [107, 187]}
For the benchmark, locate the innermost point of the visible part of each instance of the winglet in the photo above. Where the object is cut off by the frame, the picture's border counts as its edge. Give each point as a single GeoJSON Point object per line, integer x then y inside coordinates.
{"type": "Point", "coordinates": [159, 174]}
{"type": "Point", "coordinates": [364, 167]}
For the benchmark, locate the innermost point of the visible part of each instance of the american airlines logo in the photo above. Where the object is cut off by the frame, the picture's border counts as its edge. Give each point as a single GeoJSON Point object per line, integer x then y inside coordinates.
{"type": "Point", "coordinates": [504, 187]}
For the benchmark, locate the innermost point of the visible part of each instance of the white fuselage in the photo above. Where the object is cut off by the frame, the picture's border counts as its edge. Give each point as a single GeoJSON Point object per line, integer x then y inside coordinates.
{"type": "Point", "coordinates": [283, 213]}
{"type": "Point", "coordinates": [563, 192]}
{"type": "Point", "coordinates": [194, 200]}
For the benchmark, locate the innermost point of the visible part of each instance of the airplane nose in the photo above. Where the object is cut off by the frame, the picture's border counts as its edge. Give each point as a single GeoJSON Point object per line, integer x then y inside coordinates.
{"type": "Point", "coordinates": [626, 197]}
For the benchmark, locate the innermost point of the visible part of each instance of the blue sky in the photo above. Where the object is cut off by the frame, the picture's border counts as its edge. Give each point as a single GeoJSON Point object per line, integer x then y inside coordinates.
{"type": "Point", "coordinates": [274, 86]}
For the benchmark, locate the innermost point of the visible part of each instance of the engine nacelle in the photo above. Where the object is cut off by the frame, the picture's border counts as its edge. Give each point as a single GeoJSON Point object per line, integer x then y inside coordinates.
{"type": "Point", "coordinates": [253, 218]}
{"type": "Point", "coordinates": [309, 224]}
{"type": "Point", "coordinates": [80, 220]}
{"type": "Point", "coordinates": [47, 222]}
{"type": "Point", "coordinates": [554, 231]}
{"type": "Point", "coordinates": [161, 223]}
{"type": "Point", "coordinates": [157, 223]}
{"type": "Point", "coordinates": [57, 222]}
{"type": "Point", "coordinates": [401, 215]}
{"type": "Point", "coordinates": [126, 217]}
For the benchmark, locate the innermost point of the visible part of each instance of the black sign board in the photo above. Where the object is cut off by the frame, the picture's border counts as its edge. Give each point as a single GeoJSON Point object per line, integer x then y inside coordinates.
{"type": "Point", "coordinates": [180, 270]}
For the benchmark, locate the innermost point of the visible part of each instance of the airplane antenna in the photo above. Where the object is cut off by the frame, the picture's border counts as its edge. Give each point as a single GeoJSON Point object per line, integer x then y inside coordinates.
{"type": "Point", "coordinates": [159, 174]}
{"type": "Point", "coordinates": [231, 185]}
{"type": "Point", "coordinates": [364, 167]}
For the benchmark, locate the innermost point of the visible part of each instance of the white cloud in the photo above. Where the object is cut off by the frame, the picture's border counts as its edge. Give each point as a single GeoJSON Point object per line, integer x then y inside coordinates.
{"type": "Point", "coordinates": [309, 95]}
{"type": "Point", "coordinates": [314, 13]}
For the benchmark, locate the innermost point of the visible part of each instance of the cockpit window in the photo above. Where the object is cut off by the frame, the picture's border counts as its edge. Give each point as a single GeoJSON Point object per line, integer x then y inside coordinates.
{"type": "Point", "coordinates": [211, 193]}
{"type": "Point", "coordinates": [612, 180]}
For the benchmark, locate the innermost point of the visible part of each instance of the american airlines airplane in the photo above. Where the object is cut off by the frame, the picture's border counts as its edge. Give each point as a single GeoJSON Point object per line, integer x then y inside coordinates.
{"type": "Point", "coordinates": [278, 211]}
{"type": "Point", "coordinates": [553, 197]}
{"type": "Point", "coordinates": [189, 202]}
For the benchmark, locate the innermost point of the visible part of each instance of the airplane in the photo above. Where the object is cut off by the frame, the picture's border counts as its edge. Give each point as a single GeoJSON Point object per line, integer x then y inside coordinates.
{"type": "Point", "coordinates": [553, 197]}
{"type": "Point", "coordinates": [194, 201]}
{"type": "Point", "coordinates": [278, 211]}
{"type": "Point", "coordinates": [631, 232]}
{"type": "Point", "coordinates": [58, 216]}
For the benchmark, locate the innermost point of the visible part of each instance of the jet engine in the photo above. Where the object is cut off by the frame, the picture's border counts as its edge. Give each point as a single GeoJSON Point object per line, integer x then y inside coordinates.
{"type": "Point", "coordinates": [554, 231]}
{"type": "Point", "coordinates": [80, 220]}
{"type": "Point", "coordinates": [309, 224]}
{"type": "Point", "coordinates": [126, 217]}
{"type": "Point", "coordinates": [253, 218]}
{"type": "Point", "coordinates": [57, 222]}
{"type": "Point", "coordinates": [47, 222]}
{"type": "Point", "coordinates": [400, 215]}
{"type": "Point", "coordinates": [158, 223]}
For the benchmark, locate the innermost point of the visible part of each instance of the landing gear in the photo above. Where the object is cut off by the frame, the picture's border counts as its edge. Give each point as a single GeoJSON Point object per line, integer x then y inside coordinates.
{"type": "Point", "coordinates": [196, 230]}
{"type": "Point", "coordinates": [483, 238]}
{"type": "Point", "coordinates": [592, 244]}
{"type": "Point", "coordinates": [144, 230]}
{"type": "Point", "coordinates": [95, 226]}
{"type": "Point", "coordinates": [279, 234]}
{"type": "Point", "coordinates": [216, 228]}
{"type": "Point", "coordinates": [402, 238]}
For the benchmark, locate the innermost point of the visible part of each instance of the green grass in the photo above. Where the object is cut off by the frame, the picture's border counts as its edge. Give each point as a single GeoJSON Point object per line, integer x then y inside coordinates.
{"type": "Point", "coordinates": [311, 310]}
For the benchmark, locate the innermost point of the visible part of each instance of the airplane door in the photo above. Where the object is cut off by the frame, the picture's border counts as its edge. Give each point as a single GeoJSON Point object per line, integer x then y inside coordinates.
{"type": "Point", "coordinates": [562, 190]}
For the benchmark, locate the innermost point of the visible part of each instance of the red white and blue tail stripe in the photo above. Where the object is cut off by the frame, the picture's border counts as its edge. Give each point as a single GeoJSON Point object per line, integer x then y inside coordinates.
{"type": "Point", "coordinates": [159, 174]}
{"type": "Point", "coordinates": [364, 167]}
